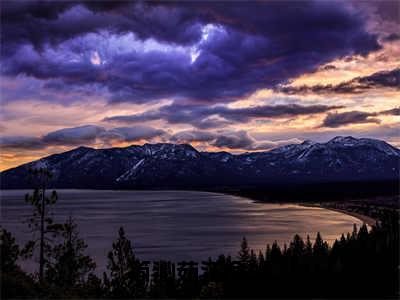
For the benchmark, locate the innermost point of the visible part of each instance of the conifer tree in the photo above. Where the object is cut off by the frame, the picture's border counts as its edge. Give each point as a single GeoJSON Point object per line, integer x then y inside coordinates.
{"type": "Point", "coordinates": [69, 265]}
{"type": "Point", "coordinates": [276, 252]}
{"type": "Point", "coordinates": [9, 251]}
{"type": "Point", "coordinates": [261, 259]}
{"type": "Point", "coordinates": [297, 246]}
{"type": "Point", "coordinates": [320, 247]}
{"type": "Point", "coordinates": [309, 247]}
{"type": "Point", "coordinates": [41, 222]}
{"type": "Point", "coordinates": [244, 254]}
{"type": "Point", "coordinates": [125, 278]}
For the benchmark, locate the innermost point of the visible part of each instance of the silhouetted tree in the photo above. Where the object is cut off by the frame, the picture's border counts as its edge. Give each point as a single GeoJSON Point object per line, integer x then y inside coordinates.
{"type": "Point", "coordinates": [9, 251]}
{"type": "Point", "coordinates": [126, 280]}
{"type": "Point", "coordinates": [14, 282]}
{"type": "Point", "coordinates": [244, 254]}
{"type": "Point", "coordinates": [320, 248]}
{"type": "Point", "coordinates": [69, 266]}
{"type": "Point", "coordinates": [41, 222]}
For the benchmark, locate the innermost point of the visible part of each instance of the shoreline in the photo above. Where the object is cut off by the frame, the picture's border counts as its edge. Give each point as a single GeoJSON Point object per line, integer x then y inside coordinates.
{"type": "Point", "coordinates": [363, 218]}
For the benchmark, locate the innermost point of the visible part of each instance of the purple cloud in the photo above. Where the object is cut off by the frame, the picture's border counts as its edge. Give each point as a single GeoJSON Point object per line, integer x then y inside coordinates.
{"type": "Point", "coordinates": [81, 135]}
{"type": "Point", "coordinates": [203, 117]}
{"type": "Point", "coordinates": [74, 136]}
{"type": "Point", "coordinates": [334, 120]}
{"type": "Point", "coordinates": [382, 79]}
{"type": "Point", "coordinates": [207, 52]}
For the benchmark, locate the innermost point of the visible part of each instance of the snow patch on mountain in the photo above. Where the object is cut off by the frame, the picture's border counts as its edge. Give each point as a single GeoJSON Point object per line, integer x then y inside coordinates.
{"type": "Point", "coordinates": [128, 174]}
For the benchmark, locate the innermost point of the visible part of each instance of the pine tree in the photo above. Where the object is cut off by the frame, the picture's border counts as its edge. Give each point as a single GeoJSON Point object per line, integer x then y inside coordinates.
{"type": "Point", "coordinates": [125, 279]}
{"type": "Point", "coordinates": [276, 252]}
{"type": "Point", "coordinates": [41, 222]}
{"type": "Point", "coordinates": [309, 247]}
{"type": "Point", "coordinates": [244, 254]}
{"type": "Point", "coordinates": [9, 251]}
{"type": "Point", "coordinates": [261, 260]}
{"type": "Point", "coordinates": [268, 253]}
{"type": "Point", "coordinates": [297, 246]}
{"type": "Point", "coordinates": [69, 266]}
{"type": "Point", "coordinates": [363, 233]}
{"type": "Point", "coordinates": [320, 247]}
{"type": "Point", "coordinates": [253, 261]}
{"type": "Point", "coordinates": [14, 283]}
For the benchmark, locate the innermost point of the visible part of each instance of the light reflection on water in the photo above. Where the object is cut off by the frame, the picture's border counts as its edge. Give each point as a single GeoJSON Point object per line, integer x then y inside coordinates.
{"type": "Point", "coordinates": [177, 225]}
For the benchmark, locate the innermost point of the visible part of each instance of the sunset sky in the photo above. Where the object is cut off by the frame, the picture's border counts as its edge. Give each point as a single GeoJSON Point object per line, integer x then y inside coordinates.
{"type": "Point", "coordinates": [219, 75]}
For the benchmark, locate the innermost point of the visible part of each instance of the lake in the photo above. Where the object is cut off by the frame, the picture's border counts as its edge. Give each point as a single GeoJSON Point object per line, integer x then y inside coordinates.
{"type": "Point", "coordinates": [176, 225]}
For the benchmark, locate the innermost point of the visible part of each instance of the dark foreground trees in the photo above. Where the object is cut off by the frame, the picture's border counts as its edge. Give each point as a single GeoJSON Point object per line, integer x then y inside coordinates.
{"type": "Point", "coordinates": [363, 264]}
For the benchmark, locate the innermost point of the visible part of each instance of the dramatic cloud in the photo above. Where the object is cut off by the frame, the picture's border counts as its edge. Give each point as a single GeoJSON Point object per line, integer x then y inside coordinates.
{"type": "Point", "coordinates": [392, 37]}
{"type": "Point", "coordinates": [21, 142]}
{"type": "Point", "coordinates": [209, 73]}
{"type": "Point", "coordinates": [207, 52]}
{"type": "Point", "coordinates": [210, 117]}
{"type": "Point", "coordinates": [130, 134]}
{"type": "Point", "coordinates": [74, 136]}
{"type": "Point", "coordinates": [241, 140]}
{"type": "Point", "coordinates": [383, 79]}
{"type": "Point", "coordinates": [236, 140]}
{"type": "Point", "coordinates": [393, 112]}
{"type": "Point", "coordinates": [82, 135]}
{"type": "Point", "coordinates": [190, 136]}
{"type": "Point", "coordinates": [350, 117]}
{"type": "Point", "coordinates": [356, 117]}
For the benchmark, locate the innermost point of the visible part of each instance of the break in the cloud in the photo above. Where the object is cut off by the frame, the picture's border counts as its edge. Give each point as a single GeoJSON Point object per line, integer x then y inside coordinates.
{"type": "Point", "coordinates": [205, 117]}
{"type": "Point", "coordinates": [383, 79]}
{"type": "Point", "coordinates": [356, 117]}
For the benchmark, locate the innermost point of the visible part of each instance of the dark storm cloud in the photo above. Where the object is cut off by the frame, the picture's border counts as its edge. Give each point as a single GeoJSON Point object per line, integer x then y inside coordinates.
{"type": "Point", "coordinates": [250, 45]}
{"type": "Point", "coordinates": [382, 79]}
{"type": "Point", "coordinates": [82, 135]}
{"type": "Point", "coordinates": [189, 136]}
{"type": "Point", "coordinates": [130, 134]}
{"type": "Point", "coordinates": [21, 142]}
{"type": "Point", "coordinates": [334, 120]}
{"type": "Point", "coordinates": [227, 139]}
{"type": "Point", "coordinates": [350, 117]}
{"type": "Point", "coordinates": [236, 140]}
{"type": "Point", "coordinates": [48, 22]}
{"type": "Point", "coordinates": [74, 136]}
{"type": "Point", "coordinates": [328, 67]}
{"type": "Point", "coordinates": [393, 112]}
{"type": "Point", "coordinates": [210, 117]}
{"type": "Point", "coordinates": [392, 37]}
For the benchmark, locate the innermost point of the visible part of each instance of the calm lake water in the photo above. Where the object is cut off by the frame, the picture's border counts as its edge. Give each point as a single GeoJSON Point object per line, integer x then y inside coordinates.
{"type": "Point", "coordinates": [176, 225]}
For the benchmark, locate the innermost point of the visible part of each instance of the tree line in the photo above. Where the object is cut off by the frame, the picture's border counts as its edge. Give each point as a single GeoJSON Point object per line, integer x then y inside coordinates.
{"type": "Point", "coordinates": [361, 264]}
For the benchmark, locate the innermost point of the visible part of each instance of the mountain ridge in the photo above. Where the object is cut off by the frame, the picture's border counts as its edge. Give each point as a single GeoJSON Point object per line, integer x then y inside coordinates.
{"type": "Point", "coordinates": [167, 165]}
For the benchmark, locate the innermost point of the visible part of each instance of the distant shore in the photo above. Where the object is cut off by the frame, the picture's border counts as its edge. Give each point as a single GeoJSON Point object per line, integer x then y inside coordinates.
{"type": "Point", "coordinates": [364, 218]}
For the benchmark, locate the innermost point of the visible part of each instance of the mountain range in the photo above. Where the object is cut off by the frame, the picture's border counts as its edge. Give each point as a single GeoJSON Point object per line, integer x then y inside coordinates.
{"type": "Point", "coordinates": [165, 165]}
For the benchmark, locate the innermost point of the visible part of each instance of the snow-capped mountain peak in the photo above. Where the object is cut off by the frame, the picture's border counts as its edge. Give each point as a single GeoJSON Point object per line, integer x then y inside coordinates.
{"type": "Point", "coordinates": [181, 165]}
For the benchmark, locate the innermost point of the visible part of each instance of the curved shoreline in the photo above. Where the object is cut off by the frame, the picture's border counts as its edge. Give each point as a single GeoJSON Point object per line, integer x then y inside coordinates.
{"type": "Point", "coordinates": [363, 218]}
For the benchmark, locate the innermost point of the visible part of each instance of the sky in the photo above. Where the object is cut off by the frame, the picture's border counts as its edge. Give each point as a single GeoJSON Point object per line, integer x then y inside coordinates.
{"type": "Point", "coordinates": [222, 76]}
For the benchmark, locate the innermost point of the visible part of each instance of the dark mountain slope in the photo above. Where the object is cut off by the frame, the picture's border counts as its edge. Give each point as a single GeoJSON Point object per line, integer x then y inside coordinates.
{"type": "Point", "coordinates": [181, 166]}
